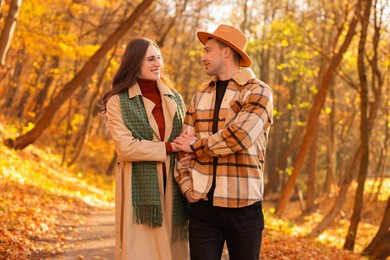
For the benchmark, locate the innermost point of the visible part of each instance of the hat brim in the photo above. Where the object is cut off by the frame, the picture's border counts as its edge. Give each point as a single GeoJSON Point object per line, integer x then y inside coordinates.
{"type": "Point", "coordinates": [245, 60]}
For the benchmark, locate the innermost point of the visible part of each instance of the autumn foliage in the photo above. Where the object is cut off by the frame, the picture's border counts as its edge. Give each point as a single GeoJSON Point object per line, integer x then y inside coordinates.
{"type": "Point", "coordinates": [327, 165]}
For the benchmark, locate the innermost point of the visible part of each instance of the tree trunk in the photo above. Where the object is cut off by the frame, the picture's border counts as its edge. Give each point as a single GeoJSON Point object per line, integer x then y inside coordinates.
{"type": "Point", "coordinates": [291, 140]}
{"type": "Point", "coordinates": [14, 86]}
{"type": "Point", "coordinates": [381, 241]}
{"type": "Point", "coordinates": [338, 204]}
{"type": "Point", "coordinates": [281, 165]}
{"type": "Point", "coordinates": [179, 12]}
{"type": "Point", "coordinates": [83, 134]}
{"type": "Point", "coordinates": [67, 132]}
{"type": "Point", "coordinates": [377, 86]}
{"type": "Point", "coordinates": [8, 30]}
{"type": "Point", "coordinates": [21, 107]}
{"type": "Point", "coordinates": [40, 98]}
{"type": "Point", "coordinates": [244, 16]}
{"type": "Point", "coordinates": [1, 7]}
{"type": "Point", "coordinates": [331, 170]}
{"type": "Point", "coordinates": [83, 75]}
{"type": "Point", "coordinates": [314, 114]}
{"type": "Point", "coordinates": [364, 132]}
{"type": "Point", "coordinates": [311, 179]}
{"type": "Point", "coordinates": [330, 217]}
{"type": "Point", "coordinates": [383, 165]}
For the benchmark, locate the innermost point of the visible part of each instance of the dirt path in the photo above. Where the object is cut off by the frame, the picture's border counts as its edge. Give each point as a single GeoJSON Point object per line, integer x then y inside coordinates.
{"type": "Point", "coordinates": [93, 239]}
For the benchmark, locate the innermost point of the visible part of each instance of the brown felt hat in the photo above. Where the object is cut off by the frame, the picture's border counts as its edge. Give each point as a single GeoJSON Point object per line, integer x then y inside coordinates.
{"type": "Point", "coordinates": [232, 37]}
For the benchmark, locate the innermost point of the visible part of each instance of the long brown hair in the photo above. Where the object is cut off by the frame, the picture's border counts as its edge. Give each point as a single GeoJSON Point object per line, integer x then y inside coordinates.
{"type": "Point", "coordinates": [129, 68]}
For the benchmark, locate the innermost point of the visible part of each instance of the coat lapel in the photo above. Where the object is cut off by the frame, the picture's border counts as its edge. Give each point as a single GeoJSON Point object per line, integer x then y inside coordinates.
{"type": "Point", "coordinates": [149, 105]}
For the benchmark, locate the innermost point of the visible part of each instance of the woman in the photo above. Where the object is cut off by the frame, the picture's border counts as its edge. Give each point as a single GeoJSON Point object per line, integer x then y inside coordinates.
{"type": "Point", "coordinates": [144, 115]}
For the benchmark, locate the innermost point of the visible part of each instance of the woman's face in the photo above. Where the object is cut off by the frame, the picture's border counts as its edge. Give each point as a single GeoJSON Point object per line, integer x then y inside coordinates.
{"type": "Point", "coordinates": [151, 64]}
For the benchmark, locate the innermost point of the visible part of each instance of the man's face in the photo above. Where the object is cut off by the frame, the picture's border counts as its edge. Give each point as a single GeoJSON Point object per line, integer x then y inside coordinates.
{"type": "Point", "coordinates": [212, 58]}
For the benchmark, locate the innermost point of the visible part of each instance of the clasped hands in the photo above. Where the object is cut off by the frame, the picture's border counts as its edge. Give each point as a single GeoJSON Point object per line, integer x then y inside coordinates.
{"type": "Point", "coordinates": [182, 143]}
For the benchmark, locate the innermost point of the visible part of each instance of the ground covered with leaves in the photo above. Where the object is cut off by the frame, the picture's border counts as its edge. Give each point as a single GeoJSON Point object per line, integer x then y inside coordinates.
{"type": "Point", "coordinates": [42, 202]}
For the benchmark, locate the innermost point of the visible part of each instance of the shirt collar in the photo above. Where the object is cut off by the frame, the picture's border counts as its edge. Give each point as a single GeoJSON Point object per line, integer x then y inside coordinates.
{"type": "Point", "coordinates": [135, 90]}
{"type": "Point", "coordinates": [242, 77]}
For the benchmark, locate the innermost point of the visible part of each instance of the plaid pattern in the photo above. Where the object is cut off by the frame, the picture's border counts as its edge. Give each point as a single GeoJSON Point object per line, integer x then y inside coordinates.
{"type": "Point", "coordinates": [240, 144]}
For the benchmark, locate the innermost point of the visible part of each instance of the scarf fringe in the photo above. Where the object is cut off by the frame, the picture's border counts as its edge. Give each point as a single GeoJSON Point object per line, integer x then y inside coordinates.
{"type": "Point", "coordinates": [180, 232]}
{"type": "Point", "coordinates": [148, 214]}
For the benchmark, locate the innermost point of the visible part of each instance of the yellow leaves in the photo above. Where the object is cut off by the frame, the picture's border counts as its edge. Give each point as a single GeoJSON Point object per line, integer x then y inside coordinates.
{"type": "Point", "coordinates": [65, 48]}
{"type": "Point", "coordinates": [30, 125]}
{"type": "Point", "coordinates": [86, 50]}
{"type": "Point", "coordinates": [284, 43]}
{"type": "Point", "coordinates": [304, 104]}
{"type": "Point", "coordinates": [384, 189]}
{"type": "Point", "coordinates": [289, 170]}
{"type": "Point", "coordinates": [77, 9]}
{"type": "Point", "coordinates": [313, 90]}
{"type": "Point", "coordinates": [327, 110]}
{"type": "Point", "coordinates": [193, 53]}
{"type": "Point", "coordinates": [77, 121]}
{"type": "Point", "coordinates": [36, 65]}
{"type": "Point", "coordinates": [274, 112]}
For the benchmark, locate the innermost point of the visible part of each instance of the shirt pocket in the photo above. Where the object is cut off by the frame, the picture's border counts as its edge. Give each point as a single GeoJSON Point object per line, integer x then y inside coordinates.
{"type": "Point", "coordinates": [233, 110]}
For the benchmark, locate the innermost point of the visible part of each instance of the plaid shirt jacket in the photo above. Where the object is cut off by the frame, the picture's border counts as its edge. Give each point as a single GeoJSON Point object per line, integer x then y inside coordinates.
{"type": "Point", "coordinates": [240, 144]}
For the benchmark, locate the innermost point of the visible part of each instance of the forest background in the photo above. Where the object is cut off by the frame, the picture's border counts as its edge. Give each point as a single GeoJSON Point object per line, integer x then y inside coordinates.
{"type": "Point", "coordinates": [328, 63]}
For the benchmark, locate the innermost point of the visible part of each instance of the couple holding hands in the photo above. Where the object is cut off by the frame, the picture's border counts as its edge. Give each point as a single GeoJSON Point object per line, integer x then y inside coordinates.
{"type": "Point", "coordinates": [189, 180]}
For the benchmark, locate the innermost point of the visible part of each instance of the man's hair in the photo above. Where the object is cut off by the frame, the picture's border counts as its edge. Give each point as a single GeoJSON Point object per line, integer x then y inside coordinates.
{"type": "Point", "coordinates": [237, 57]}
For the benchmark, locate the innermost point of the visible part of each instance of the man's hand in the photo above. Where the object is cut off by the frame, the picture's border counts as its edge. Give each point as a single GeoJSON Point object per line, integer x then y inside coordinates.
{"type": "Point", "coordinates": [186, 159]}
{"type": "Point", "coordinates": [183, 142]}
{"type": "Point", "coordinates": [187, 194]}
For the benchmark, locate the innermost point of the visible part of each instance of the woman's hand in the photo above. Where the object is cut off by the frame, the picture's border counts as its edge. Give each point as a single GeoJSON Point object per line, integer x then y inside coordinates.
{"type": "Point", "coordinates": [183, 142]}
{"type": "Point", "coordinates": [175, 148]}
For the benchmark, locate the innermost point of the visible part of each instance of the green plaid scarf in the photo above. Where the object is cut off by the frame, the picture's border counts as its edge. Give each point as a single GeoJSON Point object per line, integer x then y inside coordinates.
{"type": "Point", "coordinates": [146, 195]}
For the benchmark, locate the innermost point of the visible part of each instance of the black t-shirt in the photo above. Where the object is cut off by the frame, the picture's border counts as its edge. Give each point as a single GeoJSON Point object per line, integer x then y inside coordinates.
{"type": "Point", "coordinates": [220, 92]}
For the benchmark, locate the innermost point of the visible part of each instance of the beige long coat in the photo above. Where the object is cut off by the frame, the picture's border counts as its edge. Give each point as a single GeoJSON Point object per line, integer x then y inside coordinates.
{"type": "Point", "coordinates": [138, 241]}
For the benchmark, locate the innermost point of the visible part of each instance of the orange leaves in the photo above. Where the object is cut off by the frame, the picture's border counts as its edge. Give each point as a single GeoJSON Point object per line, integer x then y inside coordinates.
{"type": "Point", "coordinates": [38, 201]}
{"type": "Point", "coordinates": [14, 245]}
{"type": "Point", "coordinates": [277, 245]}
{"type": "Point", "coordinates": [34, 222]}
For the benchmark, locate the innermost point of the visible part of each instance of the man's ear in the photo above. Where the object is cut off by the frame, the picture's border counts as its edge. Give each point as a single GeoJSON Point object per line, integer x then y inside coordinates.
{"type": "Point", "coordinates": [227, 52]}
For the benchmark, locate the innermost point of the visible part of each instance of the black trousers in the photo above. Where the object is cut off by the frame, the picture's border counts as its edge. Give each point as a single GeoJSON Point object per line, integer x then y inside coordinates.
{"type": "Point", "coordinates": [211, 226]}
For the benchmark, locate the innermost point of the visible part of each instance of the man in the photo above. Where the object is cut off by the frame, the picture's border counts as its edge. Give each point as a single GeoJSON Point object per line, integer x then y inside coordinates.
{"type": "Point", "coordinates": [225, 135]}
